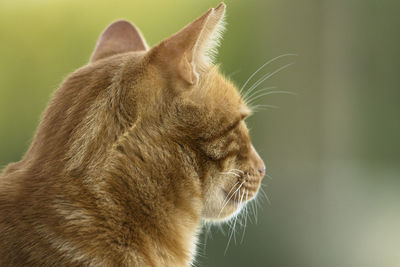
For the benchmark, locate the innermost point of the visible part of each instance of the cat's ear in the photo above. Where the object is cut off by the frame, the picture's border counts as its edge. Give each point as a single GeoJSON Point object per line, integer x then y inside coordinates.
{"type": "Point", "coordinates": [120, 37]}
{"type": "Point", "coordinates": [190, 51]}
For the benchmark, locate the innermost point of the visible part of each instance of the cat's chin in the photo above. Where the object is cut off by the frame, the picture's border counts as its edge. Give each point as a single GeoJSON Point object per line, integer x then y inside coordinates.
{"type": "Point", "coordinates": [230, 211]}
{"type": "Point", "coordinates": [235, 213]}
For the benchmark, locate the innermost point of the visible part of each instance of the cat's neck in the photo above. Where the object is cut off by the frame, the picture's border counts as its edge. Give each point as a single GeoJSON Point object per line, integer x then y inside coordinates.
{"type": "Point", "coordinates": [144, 185]}
{"type": "Point", "coordinates": [149, 185]}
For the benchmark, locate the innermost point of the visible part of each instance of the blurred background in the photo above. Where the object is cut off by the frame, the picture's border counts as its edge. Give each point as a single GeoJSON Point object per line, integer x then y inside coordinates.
{"type": "Point", "coordinates": [332, 150]}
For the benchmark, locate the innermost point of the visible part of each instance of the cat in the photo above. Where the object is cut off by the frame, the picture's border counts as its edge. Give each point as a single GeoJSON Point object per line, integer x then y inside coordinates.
{"type": "Point", "coordinates": [133, 152]}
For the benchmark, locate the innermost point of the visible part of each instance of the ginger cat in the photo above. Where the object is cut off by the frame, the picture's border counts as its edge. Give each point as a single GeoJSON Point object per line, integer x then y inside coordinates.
{"type": "Point", "coordinates": [134, 150]}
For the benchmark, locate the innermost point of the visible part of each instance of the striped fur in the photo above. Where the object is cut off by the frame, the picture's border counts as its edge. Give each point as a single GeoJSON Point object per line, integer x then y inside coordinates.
{"type": "Point", "coordinates": [128, 156]}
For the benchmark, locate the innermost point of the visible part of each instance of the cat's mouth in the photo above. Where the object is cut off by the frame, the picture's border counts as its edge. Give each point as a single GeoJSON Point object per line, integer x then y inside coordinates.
{"type": "Point", "coordinates": [243, 190]}
{"type": "Point", "coordinates": [238, 198]}
{"type": "Point", "coordinates": [240, 187]}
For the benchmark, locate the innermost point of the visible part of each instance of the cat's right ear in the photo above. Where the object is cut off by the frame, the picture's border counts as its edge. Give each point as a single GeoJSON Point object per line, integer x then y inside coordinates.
{"type": "Point", "coordinates": [188, 53]}
{"type": "Point", "coordinates": [120, 37]}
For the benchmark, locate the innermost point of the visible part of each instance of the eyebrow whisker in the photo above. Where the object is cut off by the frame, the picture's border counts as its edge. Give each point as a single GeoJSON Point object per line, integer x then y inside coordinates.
{"type": "Point", "coordinates": [260, 68]}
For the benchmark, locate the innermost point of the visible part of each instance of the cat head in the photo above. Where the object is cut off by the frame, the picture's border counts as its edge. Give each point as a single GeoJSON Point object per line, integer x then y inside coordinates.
{"type": "Point", "coordinates": [176, 87]}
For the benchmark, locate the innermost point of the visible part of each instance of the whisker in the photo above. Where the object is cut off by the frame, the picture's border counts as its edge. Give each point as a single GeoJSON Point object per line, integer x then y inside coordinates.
{"type": "Point", "coordinates": [242, 172]}
{"type": "Point", "coordinates": [237, 175]}
{"type": "Point", "coordinates": [269, 75]}
{"type": "Point", "coordinates": [230, 236]}
{"type": "Point", "coordinates": [265, 64]}
{"type": "Point", "coordinates": [231, 190]}
{"type": "Point", "coordinates": [255, 205]}
{"type": "Point", "coordinates": [227, 201]}
{"type": "Point", "coordinates": [221, 229]}
{"type": "Point", "coordinates": [266, 196]}
{"type": "Point", "coordinates": [258, 91]}
{"type": "Point", "coordinates": [232, 231]}
{"type": "Point", "coordinates": [270, 93]}
{"type": "Point", "coordinates": [206, 234]}
{"type": "Point", "coordinates": [245, 218]}
{"type": "Point", "coordinates": [233, 73]}
{"type": "Point", "coordinates": [250, 210]}
{"type": "Point", "coordinates": [239, 204]}
{"type": "Point", "coordinates": [254, 211]}
{"type": "Point", "coordinates": [254, 86]}
{"type": "Point", "coordinates": [262, 107]}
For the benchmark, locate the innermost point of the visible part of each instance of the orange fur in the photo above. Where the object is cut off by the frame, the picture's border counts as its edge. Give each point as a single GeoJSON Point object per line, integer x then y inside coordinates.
{"type": "Point", "coordinates": [129, 156]}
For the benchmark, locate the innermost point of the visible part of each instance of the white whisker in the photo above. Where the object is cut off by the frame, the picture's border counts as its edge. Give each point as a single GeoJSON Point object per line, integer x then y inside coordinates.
{"type": "Point", "coordinates": [254, 211]}
{"type": "Point", "coordinates": [247, 97]}
{"type": "Point", "coordinates": [270, 93]}
{"type": "Point", "coordinates": [242, 172]}
{"type": "Point", "coordinates": [227, 201]}
{"type": "Point", "coordinates": [255, 205]}
{"type": "Point", "coordinates": [245, 218]}
{"type": "Point", "coordinates": [233, 73]}
{"type": "Point", "coordinates": [232, 232]}
{"type": "Point", "coordinates": [221, 229]}
{"type": "Point", "coordinates": [254, 86]}
{"type": "Point", "coordinates": [270, 75]}
{"type": "Point", "coordinates": [240, 203]}
{"type": "Point", "coordinates": [261, 107]}
{"type": "Point", "coordinates": [266, 196]}
{"type": "Point", "coordinates": [237, 175]}
{"type": "Point", "coordinates": [230, 191]}
{"type": "Point", "coordinates": [265, 64]}
{"type": "Point", "coordinates": [206, 234]}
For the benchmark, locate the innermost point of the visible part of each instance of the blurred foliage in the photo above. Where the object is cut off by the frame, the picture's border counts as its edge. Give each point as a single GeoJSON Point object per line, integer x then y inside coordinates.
{"type": "Point", "coordinates": [332, 150]}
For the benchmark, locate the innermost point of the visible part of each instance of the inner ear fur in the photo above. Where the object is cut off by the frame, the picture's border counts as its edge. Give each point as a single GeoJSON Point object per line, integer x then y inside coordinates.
{"type": "Point", "coordinates": [190, 51]}
{"type": "Point", "coordinates": [120, 37]}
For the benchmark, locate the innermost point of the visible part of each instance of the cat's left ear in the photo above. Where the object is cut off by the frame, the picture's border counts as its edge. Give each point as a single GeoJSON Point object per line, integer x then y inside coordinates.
{"type": "Point", "coordinates": [190, 51]}
{"type": "Point", "coordinates": [120, 37]}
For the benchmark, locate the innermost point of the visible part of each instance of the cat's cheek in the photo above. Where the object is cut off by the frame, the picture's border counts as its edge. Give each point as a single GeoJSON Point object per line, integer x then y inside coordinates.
{"type": "Point", "coordinates": [213, 198]}
{"type": "Point", "coordinates": [218, 208]}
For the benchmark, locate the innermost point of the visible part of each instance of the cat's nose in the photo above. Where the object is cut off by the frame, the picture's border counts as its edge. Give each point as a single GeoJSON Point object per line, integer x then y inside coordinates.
{"type": "Point", "coordinates": [261, 171]}
{"type": "Point", "coordinates": [258, 162]}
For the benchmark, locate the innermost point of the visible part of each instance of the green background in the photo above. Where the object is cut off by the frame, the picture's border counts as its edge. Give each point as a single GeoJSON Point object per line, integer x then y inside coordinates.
{"type": "Point", "coordinates": [332, 149]}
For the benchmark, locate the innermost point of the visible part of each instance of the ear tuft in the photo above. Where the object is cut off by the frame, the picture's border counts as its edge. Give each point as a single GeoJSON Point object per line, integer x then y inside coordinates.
{"type": "Point", "coordinates": [210, 37]}
{"type": "Point", "coordinates": [120, 37]}
{"type": "Point", "coordinates": [192, 50]}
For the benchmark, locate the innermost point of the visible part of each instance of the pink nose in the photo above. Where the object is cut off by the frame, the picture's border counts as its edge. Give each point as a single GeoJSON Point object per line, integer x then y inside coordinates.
{"type": "Point", "coordinates": [257, 161]}
{"type": "Point", "coordinates": [261, 170]}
